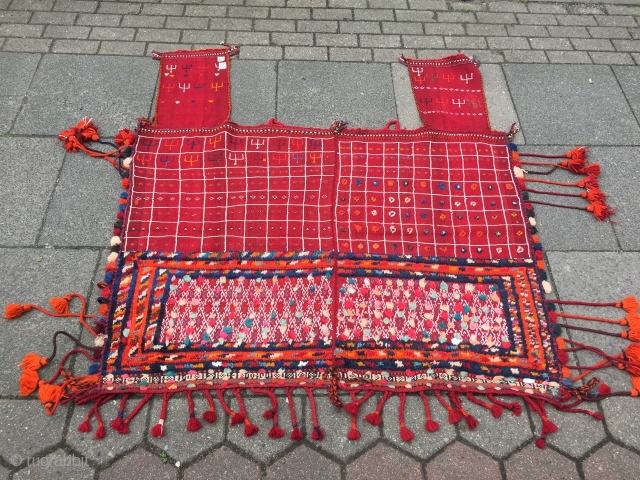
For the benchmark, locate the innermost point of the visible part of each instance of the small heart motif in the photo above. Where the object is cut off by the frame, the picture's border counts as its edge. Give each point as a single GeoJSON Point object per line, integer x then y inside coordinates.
{"type": "Point", "coordinates": [499, 249]}
{"type": "Point", "coordinates": [392, 229]}
{"type": "Point", "coordinates": [457, 204]}
{"type": "Point", "coordinates": [520, 250]}
{"type": "Point", "coordinates": [177, 101]}
{"type": "Point", "coordinates": [473, 204]}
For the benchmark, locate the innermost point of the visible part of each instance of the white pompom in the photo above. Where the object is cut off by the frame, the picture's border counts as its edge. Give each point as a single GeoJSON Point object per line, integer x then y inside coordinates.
{"type": "Point", "coordinates": [115, 240]}
{"type": "Point", "coordinates": [547, 286]}
{"type": "Point", "coordinates": [532, 221]}
{"type": "Point", "coordinates": [113, 256]}
{"type": "Point", "coordinates": [126, 162]}
{"type": "Point", "coordinates": [519, 173]}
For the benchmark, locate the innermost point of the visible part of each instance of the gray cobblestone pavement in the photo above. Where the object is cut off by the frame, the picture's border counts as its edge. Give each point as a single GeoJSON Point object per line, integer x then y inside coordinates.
{"type": "Point", "coordinates": [308, 62]}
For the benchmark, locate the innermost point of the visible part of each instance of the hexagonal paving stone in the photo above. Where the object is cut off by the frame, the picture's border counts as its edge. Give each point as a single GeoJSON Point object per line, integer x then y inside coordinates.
{"type": "Point", "coordinates": [304, 464]}
{"type": "Point", "coordinates": [26, 429]}
{"type": "Point", "coordinates": [382, 461]}
{"type": "Point", "coordinates": [4, 473]}
{"type": "Point", "coordinates": [223, 464]}
{"type": "Point", "coordinates": [336, 425]}
{"type": "Point", "coordinates": [577, 433]}
{"type": "Point", "coordinates": [611, 462]}
{"type": "Point", "coordinates": [260, 446]}
{"type": "Point", "coordinates": [424, 443]}
{"type": "Point", "coordinates": [622, 419]}
{"type": "Point", "coordinates": [113, 444]}
{"type": "Point", "coordinates": [141, 465]}
{"type": "Point", "coordinates": [56, 465]}
{"type": "Point", "coordinates": [497, 436]}
{"type": "Point", "coordinates": [532, 463]}
{"type": "Point", "coordinates": [460, 461]}
{"type": "Point", "coordinates": [178, 442]}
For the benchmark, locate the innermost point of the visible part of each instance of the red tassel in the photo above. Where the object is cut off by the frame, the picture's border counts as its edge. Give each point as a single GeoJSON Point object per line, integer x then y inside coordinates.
{"type": "Point", "coordinates": [158, 429]}
{"type": "Point", "coordinates": [250, 429]}
{"type": "Point", "coordinates": [352, 408]}
{"type": "Point", "coordinates": [601, 210]}
{"type": "Point", "coordinates": [317, 434]}
{"type": "Point", "coordinates": [193, 424]}
{"type": "Point", "coordinates": [124, 430]}
{"type": "Point", "coordinates": [431, 425]}
{"type": "Point", "coordinates": [454, 416]}
{"type": "Point", "coordinates": [276, 432]}
{"type": "Point", "coordinates": [563, 357]}
{"type": "Point", "coordinates": [472, 422]}
{"type": "Point", "coordinates": [373, 418]}
{"type": "Point", "coordinates": [33, 361]}
{"type": "Point", "coordinates": [541, 443]}
{"type": "Point", "coordinates": [209, 416]}
{"type": "Point", "coordinates": [100, 433]}
{"type": "Point", "coordinates": [237, 419]}
{"type": "Point", "coordinates": [296, 434]}
{"type": "Point", "coordinates": [117, 423]}
{"type": "Point", "coordinates": [28, 382]}
{"type": "Point", "coordinates": [548, 426]}
{"type": "Point", "coordinates": [354, 434]}
{"type": "Point", "coordinates": [267, 414]}
{"type": "Point", "coordinates": [604, 389]}
{"type": "Point", "coordinates": [593, 170]}
{"type": "Point", "coordinates": [496, 411]}
{"type": "Point", "coordinates": [406, 435]}
{"type": "Point", "coordinates": [85, 426]}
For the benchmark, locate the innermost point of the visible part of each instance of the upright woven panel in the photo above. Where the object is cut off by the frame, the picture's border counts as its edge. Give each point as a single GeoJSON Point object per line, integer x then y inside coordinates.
{"type": "Point", "coordinates": [193, 89]}
{"type": "Point", "coordinates": [449, 93]}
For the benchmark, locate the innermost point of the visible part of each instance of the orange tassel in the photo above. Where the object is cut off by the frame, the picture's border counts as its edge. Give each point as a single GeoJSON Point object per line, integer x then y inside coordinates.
{"type": "Point", "coordinates": [50, 396]}
{"type": "Point", "coordinates": [632, 352]}
{"type": "Point", "coordinates": [33, 361]}
{"type": "Point", "coordinates": [28, 382]}
{"type": "Point", "coordinates": [593, 169]}
{"type": "Point", "coordinates": [14, 310]}
{"type": "Point", "coordinates": [600, 210]}
{"type": "Point", "coordinates": [630, 304]}
{"type": "Point", "coordinates": [60, 304]}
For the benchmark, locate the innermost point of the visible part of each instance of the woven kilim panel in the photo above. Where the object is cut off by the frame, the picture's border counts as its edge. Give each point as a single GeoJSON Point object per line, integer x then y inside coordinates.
{"type": "Point", "coordinates": [281, 257]}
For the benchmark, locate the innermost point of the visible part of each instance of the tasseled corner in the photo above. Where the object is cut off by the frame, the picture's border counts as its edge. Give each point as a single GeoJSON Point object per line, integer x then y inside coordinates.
{"type": "Point", "coordinates": [373, 418]}
{"type": "Point", "coordinates": [578, 160]}
{"type": "Point", "coordinates": [125, 137]}
{"type": "Point", "coordinates": [249, 428]}
{"type": "Point", "coordinates": [276, 432]}
{"type": "Point", "coordinates": [317, 434]}
{"type": "Point", "coordinates": [193, 424]}
{"type": "Point", "coordinates": [14, 310]}
{"type": "Point", "coordinates": [124, 430]}
{"type": "Point", "coordinates": [296, 434]}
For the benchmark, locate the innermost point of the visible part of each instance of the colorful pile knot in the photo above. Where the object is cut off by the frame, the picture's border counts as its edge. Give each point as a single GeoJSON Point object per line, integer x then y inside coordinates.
{"type": "Point", "coordinates": [275, 258]}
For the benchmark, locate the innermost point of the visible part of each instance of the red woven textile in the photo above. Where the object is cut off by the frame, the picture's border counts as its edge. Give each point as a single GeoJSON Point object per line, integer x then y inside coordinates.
{"type": "Point", "coordinates": [449, 93]}
{"type": "Point", "coordinates": [193, 89]}
{"type": "Point", "coordinates": [272, 188]}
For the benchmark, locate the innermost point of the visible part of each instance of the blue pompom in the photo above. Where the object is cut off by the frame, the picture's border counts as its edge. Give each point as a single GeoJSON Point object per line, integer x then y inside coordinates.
{"type": "Point", "coordinates": [94, 368]}
{"type": "Point", "coordinates": [124, 195]}
{"type": "Point", "coordinates": [512, 146]}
